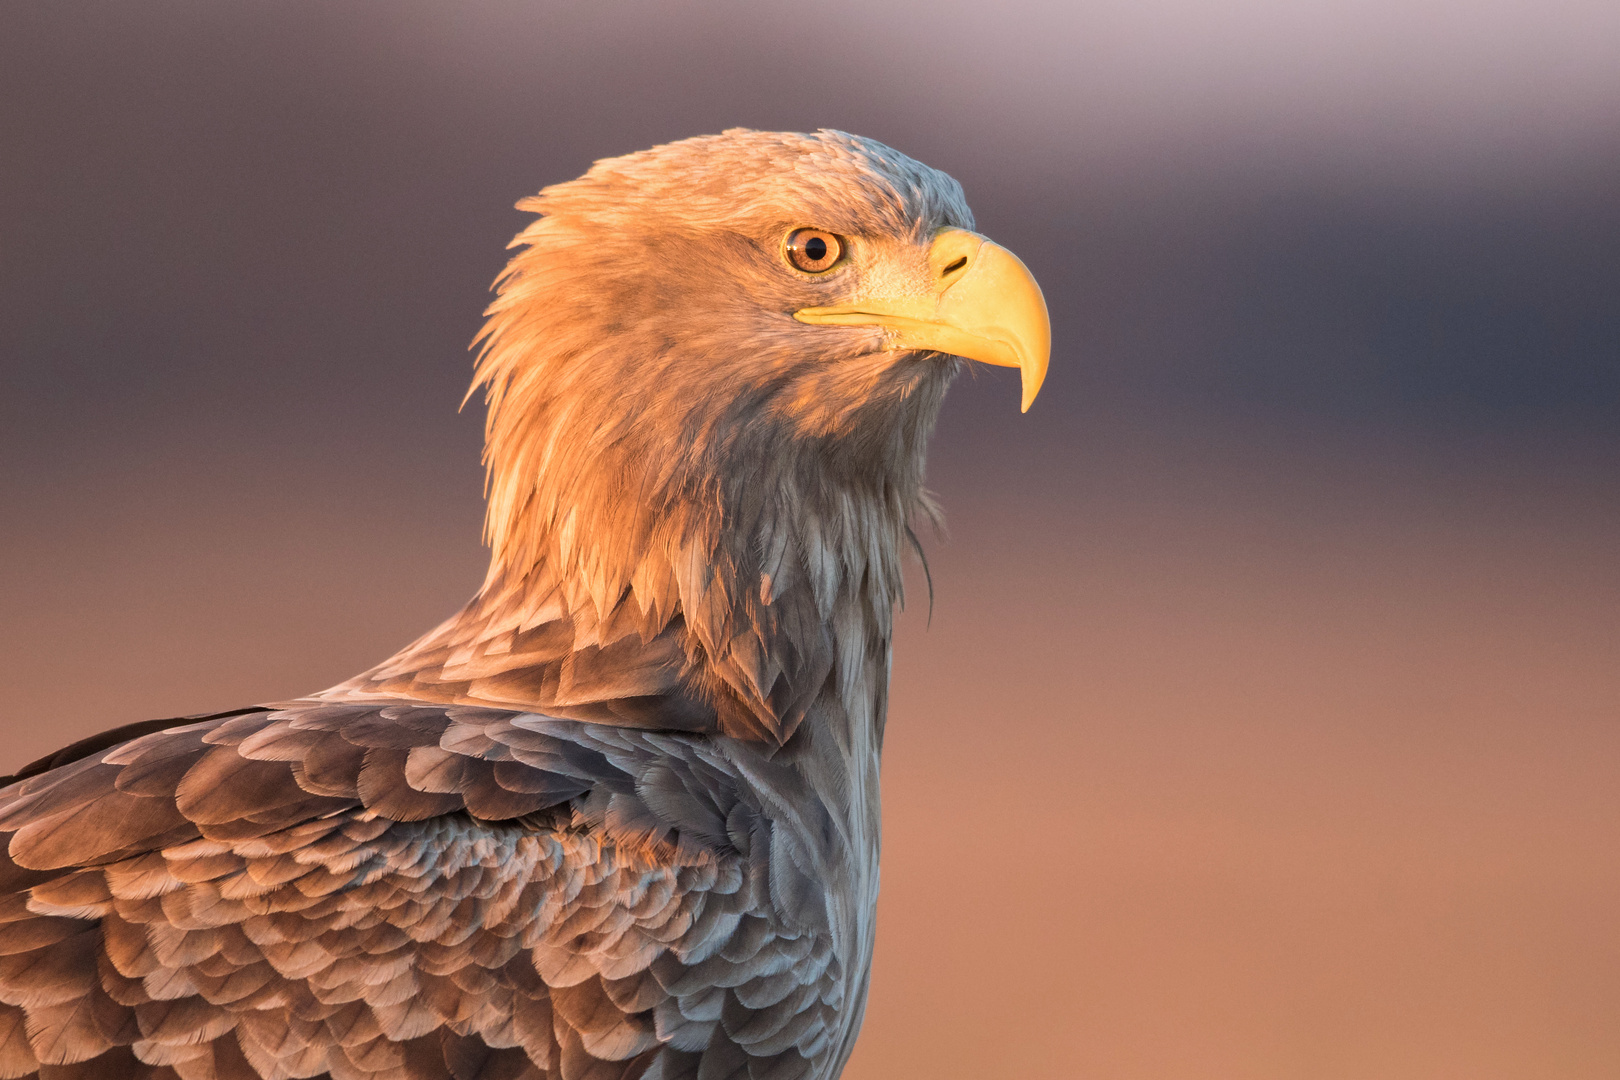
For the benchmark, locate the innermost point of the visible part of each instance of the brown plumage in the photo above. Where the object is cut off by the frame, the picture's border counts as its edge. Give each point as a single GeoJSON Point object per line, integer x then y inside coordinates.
{"type": "Point", "coordinates": [617, 818]}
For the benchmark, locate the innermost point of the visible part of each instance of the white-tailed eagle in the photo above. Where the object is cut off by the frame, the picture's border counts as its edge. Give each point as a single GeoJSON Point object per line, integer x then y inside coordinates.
{"type": "Point", "coordinates": [618, 818]}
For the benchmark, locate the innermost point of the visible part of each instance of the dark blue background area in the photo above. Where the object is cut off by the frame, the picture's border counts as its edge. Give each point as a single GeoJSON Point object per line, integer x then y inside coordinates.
{"type": "Point", "coordinates": [210, 213]}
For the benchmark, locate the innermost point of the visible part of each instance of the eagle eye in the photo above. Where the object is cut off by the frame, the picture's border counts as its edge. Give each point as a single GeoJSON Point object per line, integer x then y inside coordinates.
{"type": "Point", "coordinates": [815, 251]}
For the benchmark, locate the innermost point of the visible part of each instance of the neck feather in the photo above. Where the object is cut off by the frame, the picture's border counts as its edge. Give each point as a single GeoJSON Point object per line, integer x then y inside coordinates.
{"type": "Point", "coordinates": [730, 588]}
{"type": "Point", "coordinates": [714, 551]}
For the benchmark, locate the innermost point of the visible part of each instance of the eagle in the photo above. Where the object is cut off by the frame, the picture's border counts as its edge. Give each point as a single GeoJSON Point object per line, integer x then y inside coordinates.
{"type": "Point", "coordinates": [619, 816]}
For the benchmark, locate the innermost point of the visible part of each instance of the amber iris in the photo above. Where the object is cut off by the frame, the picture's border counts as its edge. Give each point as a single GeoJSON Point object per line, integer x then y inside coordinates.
{"type": "Point", "coordinates": [814, 251]}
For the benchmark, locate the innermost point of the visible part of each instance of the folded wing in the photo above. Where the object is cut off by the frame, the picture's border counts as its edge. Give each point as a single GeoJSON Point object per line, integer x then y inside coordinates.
{"type": "Point", "coordinates": [392, 890]}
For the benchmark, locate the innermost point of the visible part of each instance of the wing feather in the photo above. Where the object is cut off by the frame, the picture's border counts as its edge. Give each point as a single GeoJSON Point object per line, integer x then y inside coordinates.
{"type": "Point", "coordinates": [413, 892]}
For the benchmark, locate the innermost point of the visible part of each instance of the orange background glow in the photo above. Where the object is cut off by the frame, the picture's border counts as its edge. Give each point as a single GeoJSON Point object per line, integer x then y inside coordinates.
{"type": "Point", "coordinates": [1268, 722]}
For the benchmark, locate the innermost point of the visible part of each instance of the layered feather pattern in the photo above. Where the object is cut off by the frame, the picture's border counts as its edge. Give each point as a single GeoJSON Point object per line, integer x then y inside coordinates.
{"type": "Point", "coordinates": [388, 890]}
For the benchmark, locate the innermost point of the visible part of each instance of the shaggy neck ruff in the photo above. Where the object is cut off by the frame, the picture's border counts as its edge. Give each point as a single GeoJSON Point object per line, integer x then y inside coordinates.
{"type": "Point", "coordinates": [697, 505]}
{"type": "Point", "coordinates": [731, 573]}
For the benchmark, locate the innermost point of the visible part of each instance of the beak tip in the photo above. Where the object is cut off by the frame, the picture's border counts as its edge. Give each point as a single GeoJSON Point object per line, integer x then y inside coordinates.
{"type": "Point", "coordinates": [1033, 375]}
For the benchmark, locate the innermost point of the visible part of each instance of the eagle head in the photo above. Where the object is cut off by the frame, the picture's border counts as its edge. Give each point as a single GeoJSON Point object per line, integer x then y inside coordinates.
{"type": "Point", "coordinates": [711, 369]}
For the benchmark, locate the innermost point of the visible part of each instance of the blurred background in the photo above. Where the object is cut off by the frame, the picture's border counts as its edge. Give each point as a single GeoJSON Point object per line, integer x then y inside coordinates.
{"type": "Point", "coordinates": [1268, 723]}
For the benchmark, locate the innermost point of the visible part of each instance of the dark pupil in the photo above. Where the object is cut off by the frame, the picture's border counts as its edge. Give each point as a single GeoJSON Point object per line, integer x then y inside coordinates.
{"type": "Point", "coordinates": [815, 249]}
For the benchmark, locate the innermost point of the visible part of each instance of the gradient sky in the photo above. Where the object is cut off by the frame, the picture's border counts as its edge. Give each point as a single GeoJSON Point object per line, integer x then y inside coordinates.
{"type": "Point", "coordinates": [1269, 718]}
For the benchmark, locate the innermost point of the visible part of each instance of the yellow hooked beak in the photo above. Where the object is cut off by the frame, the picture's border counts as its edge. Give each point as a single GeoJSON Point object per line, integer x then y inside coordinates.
{"type": "Point", "coordinates": [984, 305]}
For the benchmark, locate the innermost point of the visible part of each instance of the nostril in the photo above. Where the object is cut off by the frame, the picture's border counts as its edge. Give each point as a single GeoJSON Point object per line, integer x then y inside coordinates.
{"type": "Point", "coordinates": [954, 267]}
